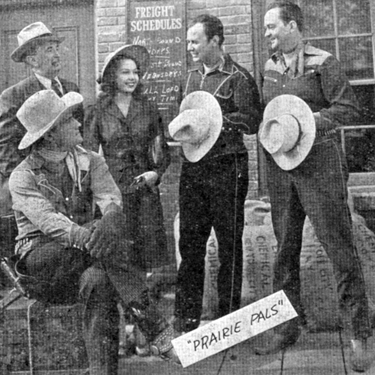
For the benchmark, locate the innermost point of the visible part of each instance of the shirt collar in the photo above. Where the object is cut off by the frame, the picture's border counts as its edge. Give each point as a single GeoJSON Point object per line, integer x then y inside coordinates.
{"type": "Point", "coordinates": [225, 66]}
{"type": "Point", "coordinates": [308, 49]}
{"type": "Point", "coordinates": [46, 82]}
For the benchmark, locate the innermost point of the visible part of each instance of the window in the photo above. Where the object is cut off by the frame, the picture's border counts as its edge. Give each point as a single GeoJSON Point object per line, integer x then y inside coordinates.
{"type": "Point", "coordinates": [345, 28]}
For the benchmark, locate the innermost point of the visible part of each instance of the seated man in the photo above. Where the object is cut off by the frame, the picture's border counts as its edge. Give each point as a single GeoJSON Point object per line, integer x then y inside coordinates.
{"type": "Point", "coordinates": [71, 256]}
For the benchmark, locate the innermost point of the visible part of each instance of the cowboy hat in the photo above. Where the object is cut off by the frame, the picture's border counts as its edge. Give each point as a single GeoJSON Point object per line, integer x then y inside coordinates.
{"type": "Point", "coordinates": [288, 130]}
{"type": "Point", "coordinates": [31, 34]}
{"type": "Point", "coordinates": [130, 51]}
{"type": "Point", "coordinates": [42, 110]}
{"type": "Point", "coordinates": [198, 125]}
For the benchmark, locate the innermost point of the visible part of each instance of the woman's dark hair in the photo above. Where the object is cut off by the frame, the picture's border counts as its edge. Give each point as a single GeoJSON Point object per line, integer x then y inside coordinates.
{"type": "Point", "coordinates": [212, 26]}
{"type": "Point", "coordinates": [108, 83]}
{"type": "Point", "coordinates": [288, 12]}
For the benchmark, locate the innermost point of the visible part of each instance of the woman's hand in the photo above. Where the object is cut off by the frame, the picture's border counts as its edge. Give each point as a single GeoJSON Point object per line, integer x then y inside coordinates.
{"type": "Point", "coordinates": [148, 178]}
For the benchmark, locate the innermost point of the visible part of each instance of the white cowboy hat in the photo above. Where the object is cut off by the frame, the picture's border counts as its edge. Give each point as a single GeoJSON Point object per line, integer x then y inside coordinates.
{"type": "Point", "coordinates": [42, 110]}
{"type": "Point", "coordinates": [131, 51]}
{"type": "Point", "coordinates": [31, 34]}
{"type": "Point", "coordinates": [288, 130]}
{"type": "Point", "coordinates": [198, 125]}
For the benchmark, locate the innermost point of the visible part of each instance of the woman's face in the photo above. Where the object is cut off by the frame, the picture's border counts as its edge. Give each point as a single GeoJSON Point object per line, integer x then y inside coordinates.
{"type": "Point", "coordinates": [127, 76]}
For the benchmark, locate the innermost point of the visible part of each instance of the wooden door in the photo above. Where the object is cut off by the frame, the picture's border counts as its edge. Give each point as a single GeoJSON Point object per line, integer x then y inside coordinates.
{"type": "Point", "coordinates": [72, 20]}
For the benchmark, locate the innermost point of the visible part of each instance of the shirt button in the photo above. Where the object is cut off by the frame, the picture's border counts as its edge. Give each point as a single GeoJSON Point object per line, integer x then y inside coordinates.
{"type": "Point", "coordinates": [66, 198]}
{"type": "Point", "coordinates": [71, 216]}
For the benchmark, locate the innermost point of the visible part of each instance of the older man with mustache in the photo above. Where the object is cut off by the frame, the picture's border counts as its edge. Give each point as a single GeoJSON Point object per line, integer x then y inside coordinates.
{"type": "Point", "coordinates": [38, 48]}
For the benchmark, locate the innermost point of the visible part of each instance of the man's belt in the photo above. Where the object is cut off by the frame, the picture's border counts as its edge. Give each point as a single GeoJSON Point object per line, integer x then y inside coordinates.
{"type": "Point", "coordinates": [325, 133]}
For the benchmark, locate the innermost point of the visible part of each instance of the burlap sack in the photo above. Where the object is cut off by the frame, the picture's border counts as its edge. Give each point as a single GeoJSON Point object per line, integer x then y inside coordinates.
{"type": "Point", "coordinates": [259, 246]}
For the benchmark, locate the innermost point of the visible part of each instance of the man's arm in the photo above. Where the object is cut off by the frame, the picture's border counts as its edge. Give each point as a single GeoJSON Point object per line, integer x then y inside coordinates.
{"type": "Point", "coordinates": [41, 213]}
{"type": "Point", "coordinates": [106, 193]}
{"type": "Point", "coordinates": [343, 105]}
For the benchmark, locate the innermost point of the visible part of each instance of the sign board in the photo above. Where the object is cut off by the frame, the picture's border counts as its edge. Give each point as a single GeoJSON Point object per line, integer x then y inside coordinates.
{"type": "Point", "coordinates": [160, 27]}
{"type": "Point", "coordinates": [233, 328]}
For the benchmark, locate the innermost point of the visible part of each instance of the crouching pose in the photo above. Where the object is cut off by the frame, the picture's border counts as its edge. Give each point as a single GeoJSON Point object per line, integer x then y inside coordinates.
{"type": "Point", "coordinates": [56, 191]}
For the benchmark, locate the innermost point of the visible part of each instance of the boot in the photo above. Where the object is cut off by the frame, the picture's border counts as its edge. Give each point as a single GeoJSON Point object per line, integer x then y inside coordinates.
{"type": "Point", "coordinates": [281, 341]}
{"type": "Point", "coordinates": [156, 330]}
{"type": "Point", "coordinates": [361, 355]}
{"type": "Point", "coordinates": [185, 325]}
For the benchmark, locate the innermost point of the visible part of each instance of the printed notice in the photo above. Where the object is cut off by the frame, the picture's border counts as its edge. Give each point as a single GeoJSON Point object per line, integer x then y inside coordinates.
{"type": "Point", "coordinates": [160, 27]}
{"type": "Point", "coordinates": [233, 328]}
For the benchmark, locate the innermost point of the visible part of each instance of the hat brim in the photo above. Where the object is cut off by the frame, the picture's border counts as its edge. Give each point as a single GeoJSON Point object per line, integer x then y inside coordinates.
{"type": "Point", "coordinates": [206, 101]}
{"type": "Point", "coordinates": [73, 101]}
{"type": "Point", "coordinates": [130, 51]}
{"type": "Point", "coordinates": [295, 106]}
{"type": "Point", "coordinates": [18, 54]}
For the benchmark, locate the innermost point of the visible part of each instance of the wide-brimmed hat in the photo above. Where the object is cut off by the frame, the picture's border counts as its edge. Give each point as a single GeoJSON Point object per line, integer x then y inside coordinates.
{"type": "Point", "coordinates": [31, 34]}
{"type": "Point", "coordinates": [42, 110]}
{"type": "Point", "coordinates": [288, 130]}
{"type": "Point", "coordinates": [131, 51]}
{"type": "Point", "coordinates": [198, 125]}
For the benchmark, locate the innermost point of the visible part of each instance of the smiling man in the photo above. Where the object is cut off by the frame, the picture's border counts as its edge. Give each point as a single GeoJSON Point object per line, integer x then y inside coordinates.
{"type": "Point", "coordinates": [38, 48]}
{"type": "Point", "coordinates": [213, 189]}
{"type": "Point", "coordinates": [317, 186]}
{"type": "Point", "coordinates": [64, 255]}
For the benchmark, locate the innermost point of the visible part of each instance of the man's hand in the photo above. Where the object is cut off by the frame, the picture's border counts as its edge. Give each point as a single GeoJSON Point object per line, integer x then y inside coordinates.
{"type": "Point", "coordinates": [108, 235]}
{"type": "Point", "coordinates": [148, 178]}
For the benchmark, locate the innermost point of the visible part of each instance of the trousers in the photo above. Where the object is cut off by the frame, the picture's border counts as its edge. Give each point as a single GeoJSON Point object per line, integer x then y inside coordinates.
{"type": "Point", "coordinates": [317, 188]}
{"type": "Point", "coordinates": [212, 194]}
{"type": "Point", "coordinates": [69, 275]}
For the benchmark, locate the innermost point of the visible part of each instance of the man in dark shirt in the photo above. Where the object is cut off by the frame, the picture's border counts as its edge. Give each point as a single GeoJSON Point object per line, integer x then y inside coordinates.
{"type": "Point", "coordinates": [318, 186]}
{"type": "Point", "coordinates": [213, 190]}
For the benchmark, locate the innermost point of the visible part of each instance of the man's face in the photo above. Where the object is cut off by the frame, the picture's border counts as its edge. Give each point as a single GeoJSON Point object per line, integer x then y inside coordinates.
{"type": "Point", "coordinates": [278, 34]}
{"type": "Point", "coordinates": [200, 48]}
{"type": "Point", "coordinates": [46, 60]}
{"type": "Point", "coordinates": [66, 133]}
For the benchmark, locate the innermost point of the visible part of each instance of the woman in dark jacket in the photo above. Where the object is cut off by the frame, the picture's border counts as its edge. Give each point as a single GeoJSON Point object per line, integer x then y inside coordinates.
{"type": "Point", "coordinates": [128, 129]}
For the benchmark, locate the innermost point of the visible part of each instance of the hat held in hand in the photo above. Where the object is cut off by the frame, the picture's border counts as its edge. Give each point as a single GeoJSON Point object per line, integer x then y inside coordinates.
{"type": "Point", "coordinates": [198, 125]}
{"type": "Point", "coordinates": [288, 130]}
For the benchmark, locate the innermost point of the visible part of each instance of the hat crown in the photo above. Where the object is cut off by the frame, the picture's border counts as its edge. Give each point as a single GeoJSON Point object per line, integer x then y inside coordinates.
{"type": "Point", "coordinates": [198, 125]}
{"type": "Point", "coordinates": [288, 130]}
{"type": "Point", "coordinates": [40, 110]}
{"type": "Point", "coordinates": [281, 134]}
{"type": "Point", "coordinates": [32, 31]}
{"type": "Point", "coordinates": [193, 128]}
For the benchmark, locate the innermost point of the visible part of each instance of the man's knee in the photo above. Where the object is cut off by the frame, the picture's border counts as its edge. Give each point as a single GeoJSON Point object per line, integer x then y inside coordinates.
{"type": "Point", "coordinates": [95, 283]}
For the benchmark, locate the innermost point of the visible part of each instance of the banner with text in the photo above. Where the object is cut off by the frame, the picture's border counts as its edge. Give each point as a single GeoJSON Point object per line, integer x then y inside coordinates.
{"type": "Point", "coordinates": [233, 328]}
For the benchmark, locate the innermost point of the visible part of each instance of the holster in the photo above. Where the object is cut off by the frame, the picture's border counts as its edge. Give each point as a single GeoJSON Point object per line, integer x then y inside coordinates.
{"type": "Point", "coordinates": [28, 286]}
